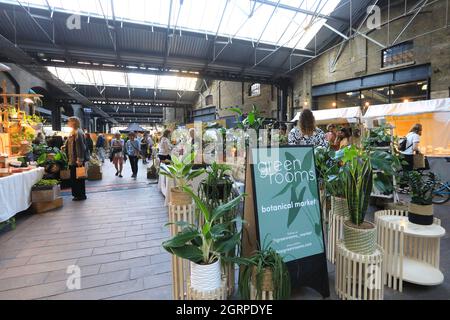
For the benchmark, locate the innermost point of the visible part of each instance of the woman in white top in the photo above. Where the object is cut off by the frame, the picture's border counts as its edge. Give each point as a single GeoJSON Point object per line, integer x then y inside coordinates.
{"type": "Point", "coordinates": [412, 145]}
{"type": "Point", "coordinates": [117, 145]}
{"type": "Point", "coordinates": [164, 146]}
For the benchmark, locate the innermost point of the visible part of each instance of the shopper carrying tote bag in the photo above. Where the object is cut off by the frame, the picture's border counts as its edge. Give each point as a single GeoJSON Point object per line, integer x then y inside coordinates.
{"type": "Point", "coordinates": [78, 155]}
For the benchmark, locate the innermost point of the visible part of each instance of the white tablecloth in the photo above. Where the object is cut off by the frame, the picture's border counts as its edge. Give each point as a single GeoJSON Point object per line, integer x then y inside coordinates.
{"type": "Point", "coordinates": [15, 192]}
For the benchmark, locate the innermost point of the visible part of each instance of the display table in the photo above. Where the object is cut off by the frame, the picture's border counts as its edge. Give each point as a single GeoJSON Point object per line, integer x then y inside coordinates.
{"type": "Point", "coordinates": [15, 192]}
{"type": "Point", "coordinates": [412, 251]}
{"type": "Point", "coordinates": [359, 277]}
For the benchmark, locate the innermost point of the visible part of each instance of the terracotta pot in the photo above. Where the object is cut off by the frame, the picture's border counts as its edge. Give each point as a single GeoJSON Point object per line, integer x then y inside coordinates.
{"type": "Point", "coordinates": [179, 198]}
{"type": "Point", "coordinates": [206, 277]}
{"type": "Point", "coordinates": [420, 214]}
{"type": "Point", "coordinates": [360, 239]}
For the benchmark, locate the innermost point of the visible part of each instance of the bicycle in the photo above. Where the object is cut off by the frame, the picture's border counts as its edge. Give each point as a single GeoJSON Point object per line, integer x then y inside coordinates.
{"type": "Point", "coordinates": [441, 194]}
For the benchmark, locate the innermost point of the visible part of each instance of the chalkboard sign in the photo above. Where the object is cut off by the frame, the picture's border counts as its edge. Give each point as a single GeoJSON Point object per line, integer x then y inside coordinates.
{"type": "Point", "coordinates": [283, 209]}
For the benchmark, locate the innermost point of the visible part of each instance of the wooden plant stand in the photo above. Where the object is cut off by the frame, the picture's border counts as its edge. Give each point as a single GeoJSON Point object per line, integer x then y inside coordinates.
{"type": "Point", "coordinates": [265, 295]}
{"type": "Point", "coordinates": [359, 277]}
{"type": "Point", "coordinates": [412, 251]}
{"type": "Point", "coordinates": [335, 233]}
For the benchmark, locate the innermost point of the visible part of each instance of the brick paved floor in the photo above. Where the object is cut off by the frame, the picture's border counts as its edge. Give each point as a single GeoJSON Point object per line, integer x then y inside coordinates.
{"type": "Point", "coordinates": [114, 237]}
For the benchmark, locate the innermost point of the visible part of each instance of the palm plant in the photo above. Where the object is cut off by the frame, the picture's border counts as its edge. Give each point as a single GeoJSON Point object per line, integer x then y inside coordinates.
{"type": "Point", "coordinates": [265, 268]}
{"type": "Point", "coordinates": [181, 170]}
{"type": "Point", "coordinates": [211, 239]}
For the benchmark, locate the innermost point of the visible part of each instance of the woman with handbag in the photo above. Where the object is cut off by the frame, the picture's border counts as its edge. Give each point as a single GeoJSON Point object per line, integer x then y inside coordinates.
{"type": "Point", "coordinates": [412, 146]}
{"type": "Point", "coordinates": [133, 148]}
{"type": "Point", "coordinates": [117, 154]}
{"type": "Point", "coordinates": [77, 151]}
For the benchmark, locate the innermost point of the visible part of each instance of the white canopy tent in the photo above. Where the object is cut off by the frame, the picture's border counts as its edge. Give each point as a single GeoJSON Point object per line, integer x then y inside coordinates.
{"type": "Point", "coordinates": [336, 116]}
{"type": "Point", "coordinates": [434, 115]}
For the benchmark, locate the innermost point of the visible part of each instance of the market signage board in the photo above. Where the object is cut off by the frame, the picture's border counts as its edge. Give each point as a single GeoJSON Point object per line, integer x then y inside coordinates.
{"type": "Point", "coordinates": [283, 211]}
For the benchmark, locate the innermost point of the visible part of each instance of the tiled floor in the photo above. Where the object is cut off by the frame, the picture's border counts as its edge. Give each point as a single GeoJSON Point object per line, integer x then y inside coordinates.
{"type": "Point", "coordinates": [114, 237]}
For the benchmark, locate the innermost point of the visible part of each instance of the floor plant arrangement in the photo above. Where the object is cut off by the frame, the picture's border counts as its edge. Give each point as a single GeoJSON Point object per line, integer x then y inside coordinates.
{"type": "Point", "coordinates": [205, 243]}
{"type": "Point", "coordinates": [420, 209]}
{"type": "Point", "coordinates": [356, 177]}
{"type": "Point", "coordinates": [264, 271]}
{"type": "Point", "coordinates": [182, 172]}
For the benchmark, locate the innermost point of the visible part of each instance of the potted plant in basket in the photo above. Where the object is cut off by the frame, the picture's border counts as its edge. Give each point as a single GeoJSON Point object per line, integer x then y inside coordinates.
{"type": "Point", "coordinates": [217, 186]}
{"type": "Point", "coordinates": [420, 209]}
{"type": "Point", "coordinates": [205, 244]}
{"type": "Point", "coordinates": [45, 190]}
{"type": "Point", "coordinates": [357, 180]}
{"type": "Point", "coordinates": [264, 271]}
{"type": "Point", "coordinates": [182, 172]}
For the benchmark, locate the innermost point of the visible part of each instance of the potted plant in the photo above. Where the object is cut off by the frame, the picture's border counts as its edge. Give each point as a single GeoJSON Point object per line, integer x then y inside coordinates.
{"type": "Point", "coordinates": [45, 190]}
{"type": "Point", "coordinates": [205, 244]}
{"type": "Point", "coordinates": [182, 172]}
{"type": "Point", "coordinates": [378, 137]}
{"type": "Point", "coordinates": [357, 180]}
{"type": "Point", "coordinates": [420, 208]}
{"type": "Point", "coordinates": [265, 271]}
{"type": "Point", "coordinates": [217, 185]}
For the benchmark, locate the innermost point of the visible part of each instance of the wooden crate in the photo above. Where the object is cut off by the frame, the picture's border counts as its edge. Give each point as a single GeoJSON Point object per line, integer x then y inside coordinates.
{"type": "Point", "coordinates": [46, 195]}
{"type": "Point", "coordinates": [95, 173]}
{"type": "Point", "coordinates": [41, 207]}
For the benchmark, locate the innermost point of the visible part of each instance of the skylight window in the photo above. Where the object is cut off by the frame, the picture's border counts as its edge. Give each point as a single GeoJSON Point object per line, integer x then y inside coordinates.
{"type": "Point", "coordinates": [249, 20]}
{"type": "Point", "coordinates": [120, 79]}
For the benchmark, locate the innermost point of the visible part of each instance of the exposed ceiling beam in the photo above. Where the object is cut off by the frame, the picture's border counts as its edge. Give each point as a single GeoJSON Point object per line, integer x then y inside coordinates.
{"type": "Point", "coordinates": [300, 10]}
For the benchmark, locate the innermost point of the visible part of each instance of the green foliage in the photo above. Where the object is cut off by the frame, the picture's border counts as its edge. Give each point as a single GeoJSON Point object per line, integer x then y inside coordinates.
{"type": "Point", "coordinates": [327, 165]}
{"type": "Point", "coordinates": [10, 222]}
{"type": "Point", "coordinates": [46, 183]}
{"type": "Point", "coordinates": [378, 137]}
{"type": "Point", "coordinates": [357, 180]}
{"type": "Point", "coordinates": [207, 242]}
{"type": "Point", "coordinates": [181, 170]}
{"type": "Point", "coordinates": [253, 120]}
{"type": "Point", "coordinates": [34, 119]}
{"type": "Point", "coordinates": [422, 187]}
{"type": "Point", "coordinates": [255, 266]}
{"type": "Point", "coordinates": [217, 185]}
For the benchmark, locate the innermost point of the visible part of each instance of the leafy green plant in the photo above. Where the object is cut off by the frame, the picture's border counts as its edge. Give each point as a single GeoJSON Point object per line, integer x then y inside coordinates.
{"type": "Point", "coordinates": [181, 170]}
{"type": "Point", "coordinates": [378, 137]}
{"type": "Point", "coordinates": [357, 180]}
{"type": "Point", "coordinates": [46, 183]}
{"type": "Point", "coordinates": [210, 240]}
{"type": "Point", "coordinates": [422, 187]}
{"type": "Point", "coordinates": [253, 270]}
{"type": "Point", "coordinates": [217, 185]}
{"type": "Point", "coordinates": [253, 119]}
{"type": "Point", "coordinates": [327, 164]}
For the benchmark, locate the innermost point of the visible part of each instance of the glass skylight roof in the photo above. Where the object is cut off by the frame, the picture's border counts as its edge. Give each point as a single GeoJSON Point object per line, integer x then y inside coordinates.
{"type": "Point", "coordinates": [284, 27]}
{"type": "Point", "coordinates": [121, 79]}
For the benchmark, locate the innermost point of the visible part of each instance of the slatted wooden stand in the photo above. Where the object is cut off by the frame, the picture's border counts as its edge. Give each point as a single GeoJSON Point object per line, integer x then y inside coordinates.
{"type": "Point", "coordinates": [335, 233]}
{"type": "Point", "coordinates": [265, 295]}
{"type": "Point", "coordinates": [411, 250]}
{"type": "Point", "coordinates": [180, 267]}
{"type": "Point", "coordinates": [219, 294]}
{"type": "Point", "coordinates": [359, 277]}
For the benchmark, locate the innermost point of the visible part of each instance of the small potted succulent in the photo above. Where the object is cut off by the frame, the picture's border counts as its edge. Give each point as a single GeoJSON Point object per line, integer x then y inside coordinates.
{"type": "Point", "coordinates": [205, 244]}
{"type": "Point", "coordinates": [420, 209]}
{"type": "Point", "coordinates": [357, 180]}
{"type": "Point", "coordinates": [182, 172]}
{"type": "Point", "coordinates": [265, 271]}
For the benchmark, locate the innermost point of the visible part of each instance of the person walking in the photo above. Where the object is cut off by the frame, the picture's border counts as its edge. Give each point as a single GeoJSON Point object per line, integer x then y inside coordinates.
{"type": "Point", "coordinates": [100, 147]}
{"type": "Point", "coordinates": [307, 133]}
{"type": "Point", "coordinates": [164, 147]}
{"type": "Point", "coordinates": [77, 155]}
{"type": "Point", "coordinates": [412, 146]}
{"type": "Point", "coordinates": [144, 148]}
{"type": "Point", "coordinates": [117, 154]}
{"type": "Point", "coordinates": [133, 148]}
{"type": "Point", "coordinates": [89, 143]}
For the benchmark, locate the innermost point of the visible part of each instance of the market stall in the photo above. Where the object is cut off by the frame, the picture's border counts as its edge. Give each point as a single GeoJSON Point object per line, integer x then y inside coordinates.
{"type": "Point", "coordinates": [15, 192]}
{"type": "Point", "coordinates": [434, 115]}
{"type": "Point", "coordinates": [335, 116]}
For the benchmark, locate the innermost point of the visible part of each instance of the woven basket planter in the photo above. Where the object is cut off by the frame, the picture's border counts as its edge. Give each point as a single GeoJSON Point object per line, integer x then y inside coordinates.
{"type": "Point", "coordinates": [359, 240]}
{"type": "Point", "coordinates": [179, 198]}
{"type": "Point", "coordinates": [267, 286]}
{"type": "Point", "coordinates": [339, 206]}
{"type": "Point", "coordinates": [420, 214]}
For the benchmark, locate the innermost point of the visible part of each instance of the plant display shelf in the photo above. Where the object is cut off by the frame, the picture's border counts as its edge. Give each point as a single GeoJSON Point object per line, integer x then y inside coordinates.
{"type": "Point", "coordinates": [218, 294]}
{"type": "Point", "coordinates": [335, 234]}
{"type": "Point", "coordinates": [412, 251]}
{"type": "Point", "coordinates": [359, 277]}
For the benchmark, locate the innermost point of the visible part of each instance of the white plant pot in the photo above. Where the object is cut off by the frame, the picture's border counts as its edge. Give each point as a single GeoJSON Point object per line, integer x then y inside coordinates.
{"type": "Point", "coordinates": [206, 277]}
